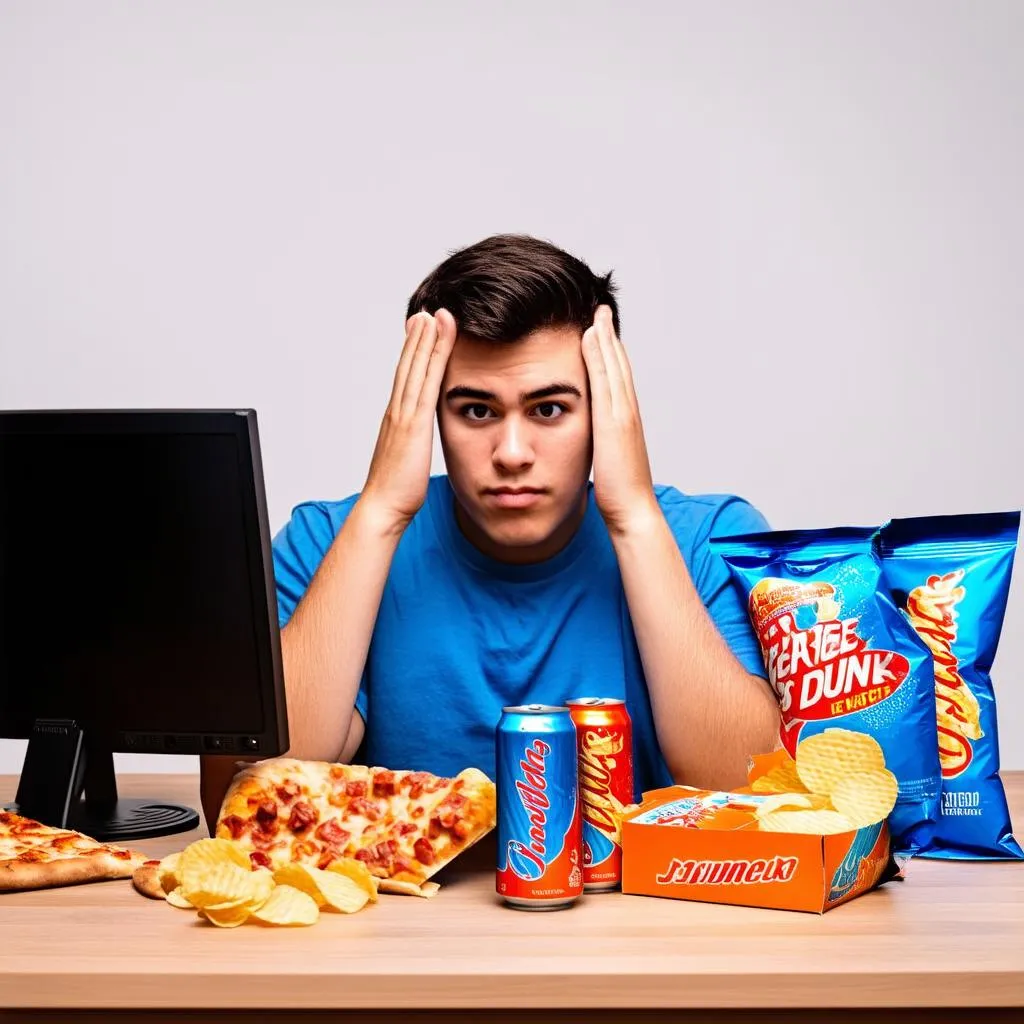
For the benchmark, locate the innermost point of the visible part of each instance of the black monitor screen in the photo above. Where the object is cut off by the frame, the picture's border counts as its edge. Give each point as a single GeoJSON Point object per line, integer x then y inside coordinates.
{"type": "Point", "coordinates": [127, 598]}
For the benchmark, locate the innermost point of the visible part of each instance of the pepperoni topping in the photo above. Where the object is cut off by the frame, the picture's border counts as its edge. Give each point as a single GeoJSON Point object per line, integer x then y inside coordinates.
{"type": "Point", "coordinates": [332, 833]}
{"type": "Point", "coordinates": [266, 814]}
{"type": "Point", "coordinates": [416, 812]}
{"type": "Point", "coordinates": [385, 784]}
{"type": "Point", "coordinates": [260, 859]}
{"type": "Point", "coordinates": [417, 782]}
{"type": "Point", "coordinates": [235, 825]}
{"type": "Point", "coordinates": [356, 788]}
{"type": "Point", "coordinates": [424, 851]}
{"type": "Point", "coordinates": [366, 808]}
{"type": "Point", "coordinates": [405, 827]}
{"type": "Point", "coordinates": [288, 790]}
{"type": "Point", "coordinates": [302, 817]}
{"type": "Point", "coordinates": [263, 840]}
{"type": "Point", "coordinates": [380, 854]}
{"type": "Point", "coordinates": [435, 828]}
{"type": "Point", "coordinates": [404, 864]}
{"type": "Point", "coordinates": [448, 812]}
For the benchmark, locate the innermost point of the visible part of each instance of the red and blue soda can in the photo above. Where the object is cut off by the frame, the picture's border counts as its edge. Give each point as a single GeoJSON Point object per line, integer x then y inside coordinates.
{"type": "Point", "coordinates": [539, 822]}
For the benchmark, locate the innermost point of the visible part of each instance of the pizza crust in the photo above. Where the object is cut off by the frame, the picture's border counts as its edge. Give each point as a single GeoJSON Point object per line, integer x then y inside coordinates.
{"type": "Point", "coordinates": [94, 866]}
{"type": "Point", "coordinates": [399, 888]}
{"type": "Point", "coordinates": [38, 856]}
{"type": "Point", "coordinates": [146, 879]}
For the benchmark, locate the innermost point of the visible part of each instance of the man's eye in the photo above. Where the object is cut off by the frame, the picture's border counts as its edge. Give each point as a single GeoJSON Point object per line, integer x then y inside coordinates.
{"type": "Point", "coordinates": [549, 410]}
{"type": "Point", "coordinates": [476, 412]}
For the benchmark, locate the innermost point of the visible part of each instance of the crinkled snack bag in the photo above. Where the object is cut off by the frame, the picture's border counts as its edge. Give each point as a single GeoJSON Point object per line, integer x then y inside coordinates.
{"type": "Point", "coordinates": [950, 576]}
{"type": "Point", "coordinates": [839, 653]}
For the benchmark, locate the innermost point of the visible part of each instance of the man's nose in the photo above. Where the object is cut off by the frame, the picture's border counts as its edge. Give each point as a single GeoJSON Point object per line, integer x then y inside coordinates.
{"type": "Point", "coordinates": [513, 451]}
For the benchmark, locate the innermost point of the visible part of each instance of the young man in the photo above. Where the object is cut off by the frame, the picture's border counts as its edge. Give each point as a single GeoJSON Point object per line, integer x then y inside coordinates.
{"type": "Point", "coordinates": [414, 610]}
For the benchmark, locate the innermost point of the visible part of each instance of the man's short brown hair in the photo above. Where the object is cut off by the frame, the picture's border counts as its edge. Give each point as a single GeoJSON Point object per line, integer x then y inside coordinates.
{"type": "Point", "coordinates": [508, 286]}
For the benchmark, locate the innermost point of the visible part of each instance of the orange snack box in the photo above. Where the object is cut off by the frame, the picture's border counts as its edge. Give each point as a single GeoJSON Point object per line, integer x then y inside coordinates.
{"type": "Point", "coordinates": [776, 843]}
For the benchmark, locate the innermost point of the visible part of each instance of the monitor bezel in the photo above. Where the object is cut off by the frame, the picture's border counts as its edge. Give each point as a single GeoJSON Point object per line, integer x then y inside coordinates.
{"type": "Point", "coordinates": [273, 739]}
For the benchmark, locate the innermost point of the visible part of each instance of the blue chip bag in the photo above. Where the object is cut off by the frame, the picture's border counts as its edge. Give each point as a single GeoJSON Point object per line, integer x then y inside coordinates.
{"type": "Point", "coordinates": [840, 654]}
{"type": "Point", "coordinates": [950, 576]}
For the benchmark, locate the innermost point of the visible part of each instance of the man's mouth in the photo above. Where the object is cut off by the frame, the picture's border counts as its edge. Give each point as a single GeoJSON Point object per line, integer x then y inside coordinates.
{"type": "Point", "coordinates": [513, 497]}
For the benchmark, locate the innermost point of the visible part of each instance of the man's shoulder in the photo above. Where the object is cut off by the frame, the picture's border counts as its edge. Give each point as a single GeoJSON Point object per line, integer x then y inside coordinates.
{"type": "Point", "coordinates": [695, 518]}
{"type": "Point", "coordinates": [322, 519]}
{"type": "Point", "coordinates": [320, 513]}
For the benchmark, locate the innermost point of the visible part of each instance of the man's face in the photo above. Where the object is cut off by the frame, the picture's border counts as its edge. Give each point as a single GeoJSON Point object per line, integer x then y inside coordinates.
{"type": "Point", "coordinates": [515, 430]}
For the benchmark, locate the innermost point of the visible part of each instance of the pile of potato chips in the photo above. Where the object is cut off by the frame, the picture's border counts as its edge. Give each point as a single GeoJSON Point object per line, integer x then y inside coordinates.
{"type": "Point", "coordinates": [216, 878]}
{"type": "Point", "coordinates": [838, 783]}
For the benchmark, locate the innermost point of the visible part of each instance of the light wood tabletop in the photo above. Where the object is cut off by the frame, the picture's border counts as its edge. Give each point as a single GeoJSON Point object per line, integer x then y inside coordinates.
{"type": "Point", "coordinates": [949, 935]}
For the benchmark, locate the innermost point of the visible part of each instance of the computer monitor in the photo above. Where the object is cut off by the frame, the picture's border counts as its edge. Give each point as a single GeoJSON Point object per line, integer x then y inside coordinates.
{"type": "Point", "coordinates": [137, 605]}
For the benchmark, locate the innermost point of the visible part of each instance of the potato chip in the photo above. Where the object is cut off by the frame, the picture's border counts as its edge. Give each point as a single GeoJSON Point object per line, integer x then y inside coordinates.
{"type": "Point", "coordinates": [783, 778]}
{"type": "Point", "coordinates": [793, 802]}
{"type": "Point", "coordinates": [824, 759]}
{"type": "Point", "coordinates": [327, 888]}
{"type": "Point", "coordinates": [358, 872]}
{"type": "Point", "coordinates": [227, 917]}
{"type": "Point", "coordinates": [297, 877]}
{"type": "Point", "coordinates": [198, 858]}
{"type": "Point", "coordinates": [169, 879]}
{"type": "Point", "coordinates": [176, 898]}
{"type": "Point", "coordinates": [866, 797]}
{"type": "Point", "coordinates": [815, 823]}
{"type": "Point", "coordinates": [222, 886]}
{"type": "Point", "coordinates": [287, 906]}
{"type": "Point", "coordinates": [257, 889]}
{"type": "Point", "coordinates": [342, 893]}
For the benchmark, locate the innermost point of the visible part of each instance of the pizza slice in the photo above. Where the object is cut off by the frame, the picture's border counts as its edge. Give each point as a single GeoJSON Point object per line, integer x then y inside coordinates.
{"type": "Point", "coordinates": [37, 856]}
{"type": "Point", "coordinates": [404, 825]}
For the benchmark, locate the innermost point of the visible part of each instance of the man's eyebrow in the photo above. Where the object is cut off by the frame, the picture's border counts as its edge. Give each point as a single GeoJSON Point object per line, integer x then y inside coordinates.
{"type": "Point", "coordinates": [561, 388]}
{"type": "Point", "coordinates": [461, 391]}
{"type": "Point", "coordinates": [549, 391]}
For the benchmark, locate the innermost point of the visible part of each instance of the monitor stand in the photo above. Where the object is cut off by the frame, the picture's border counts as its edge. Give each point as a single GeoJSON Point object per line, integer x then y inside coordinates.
{"type": "Point", "coordinates": [67, 782]}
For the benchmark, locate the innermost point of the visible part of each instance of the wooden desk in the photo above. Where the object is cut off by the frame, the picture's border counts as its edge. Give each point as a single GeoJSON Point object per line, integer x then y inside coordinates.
{"type": "Point", "coordinates": [951, 935]}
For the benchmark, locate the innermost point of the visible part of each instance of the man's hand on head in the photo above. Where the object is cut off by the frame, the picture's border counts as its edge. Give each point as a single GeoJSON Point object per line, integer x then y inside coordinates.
{"type": "Point", "coordinates": [396, 485]}
{"type": "Point", "coordinates": [623, 487]}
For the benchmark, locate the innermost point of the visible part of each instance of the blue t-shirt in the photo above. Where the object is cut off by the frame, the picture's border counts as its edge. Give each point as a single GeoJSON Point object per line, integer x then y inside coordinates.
{"type": "Point", "coordinates": [460, 635]}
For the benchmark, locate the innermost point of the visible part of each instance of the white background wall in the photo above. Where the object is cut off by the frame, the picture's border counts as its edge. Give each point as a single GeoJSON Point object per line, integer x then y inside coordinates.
{"type": "Point", "coordinates": [814, 211]}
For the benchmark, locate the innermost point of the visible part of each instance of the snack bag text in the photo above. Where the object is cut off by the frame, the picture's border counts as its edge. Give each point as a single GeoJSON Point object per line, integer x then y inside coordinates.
{"type": "Point", "coordinates": [806, 834]}
{"type": "Point", "coordinates": [838, 652]}
{"type": "Point", "coordinates": [950, 576]}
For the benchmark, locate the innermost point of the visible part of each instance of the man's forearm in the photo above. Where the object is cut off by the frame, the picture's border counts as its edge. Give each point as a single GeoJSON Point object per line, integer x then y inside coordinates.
{"type": "Point", "coordinates": [325, 644]}
{"type": "Point", "coordinates": [709, 712]}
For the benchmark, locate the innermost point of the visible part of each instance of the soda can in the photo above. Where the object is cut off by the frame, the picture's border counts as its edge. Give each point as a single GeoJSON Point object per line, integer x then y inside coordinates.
{"type": "Point", "coordinates": [538, 808]}
{"type": "Point", "coordinates": [604, 735]}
